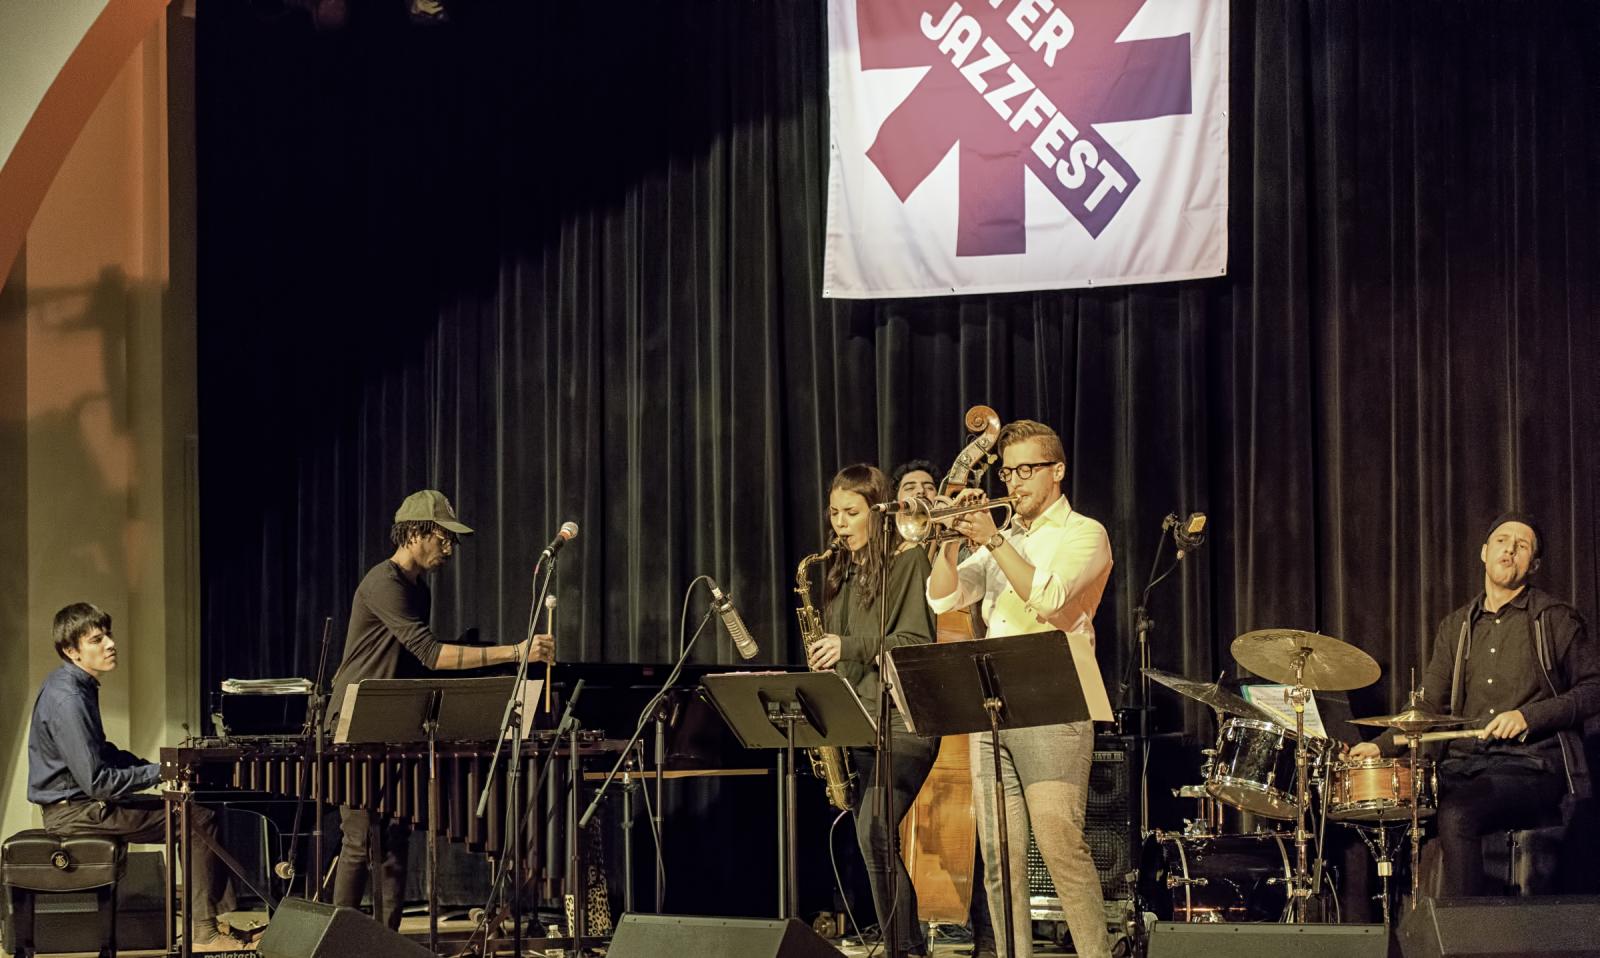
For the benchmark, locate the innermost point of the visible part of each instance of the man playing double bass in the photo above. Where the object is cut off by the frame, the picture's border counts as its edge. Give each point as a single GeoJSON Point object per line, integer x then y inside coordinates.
{"type": "Point", "coordinates": [1046, 570]}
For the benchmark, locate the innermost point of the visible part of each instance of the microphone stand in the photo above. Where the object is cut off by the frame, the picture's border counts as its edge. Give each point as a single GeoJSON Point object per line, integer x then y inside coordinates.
{"type": "Point", "coordinates": [1143, 625]}
{"type": "Point", "coordinates": [511, 726]}
{"type": "Point", "coordinates": [884, 760]}
{"type": "Point", "coordinates": [311, 739]}
{"type": "Point", "coordinates": [639, 727]}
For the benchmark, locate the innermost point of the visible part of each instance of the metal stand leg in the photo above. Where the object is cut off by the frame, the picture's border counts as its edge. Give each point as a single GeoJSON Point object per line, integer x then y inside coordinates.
{"type": "Point", "coordinates": [993, 706]}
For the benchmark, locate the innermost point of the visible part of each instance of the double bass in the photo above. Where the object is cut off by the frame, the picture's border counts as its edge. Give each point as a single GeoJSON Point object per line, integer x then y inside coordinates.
{"type": "Point", "coordinates": [938, 836]}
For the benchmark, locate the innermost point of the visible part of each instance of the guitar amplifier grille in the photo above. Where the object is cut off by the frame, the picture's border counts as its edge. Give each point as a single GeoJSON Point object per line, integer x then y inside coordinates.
{"type": "Point", "coordinates": [1108, 828]}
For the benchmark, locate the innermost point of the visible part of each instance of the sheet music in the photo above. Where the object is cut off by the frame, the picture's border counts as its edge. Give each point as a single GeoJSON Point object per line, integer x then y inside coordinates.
{"type": "Point", "coordinates": [1274, 700]}
{"type": "Point", "coordinates": [1094, 687]}
{"type": "Point", "coordinates": [531, 689]}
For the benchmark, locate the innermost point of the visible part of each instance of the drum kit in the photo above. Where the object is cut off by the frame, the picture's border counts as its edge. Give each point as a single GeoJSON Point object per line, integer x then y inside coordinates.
{"type": "Point", "coordinates": [1270, 769]}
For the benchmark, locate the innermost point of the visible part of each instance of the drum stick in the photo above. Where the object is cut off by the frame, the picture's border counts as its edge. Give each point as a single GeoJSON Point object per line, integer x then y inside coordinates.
{"type": "Point", "coordinates": [1427, 737]}
{"type": "Point", "coordinates": [550, 623]}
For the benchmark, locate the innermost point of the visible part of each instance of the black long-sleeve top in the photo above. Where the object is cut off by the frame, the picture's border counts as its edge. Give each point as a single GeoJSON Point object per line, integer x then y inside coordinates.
{"type": "Point", "coordinates": [389, 636]}
{"type": "Point", "coordinates": [910, 622]}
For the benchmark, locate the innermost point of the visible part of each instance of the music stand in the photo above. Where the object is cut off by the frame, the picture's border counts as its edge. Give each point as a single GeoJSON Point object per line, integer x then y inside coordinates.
{"type": "Point", "coordinates": [410, 710]}
{"type": "Point", "coordinates": [785, 711]}
{"type": "Point", "coordinates": [1021, 681]}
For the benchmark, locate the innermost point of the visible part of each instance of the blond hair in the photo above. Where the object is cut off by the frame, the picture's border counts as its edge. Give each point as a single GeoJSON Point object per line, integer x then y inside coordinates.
{"type": "Point", "coordinates": [1022, 430]}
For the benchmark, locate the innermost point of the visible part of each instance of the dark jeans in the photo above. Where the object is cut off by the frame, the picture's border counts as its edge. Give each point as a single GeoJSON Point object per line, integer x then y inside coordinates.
{"type": "Point", "coordinates": [913, 759]}
{"type": "Point", "coordinates": [350, 877]}
{"type": "Point", "coordinates": [142, 821]}
{"type": "Point", "coordinates": [1474, 805]}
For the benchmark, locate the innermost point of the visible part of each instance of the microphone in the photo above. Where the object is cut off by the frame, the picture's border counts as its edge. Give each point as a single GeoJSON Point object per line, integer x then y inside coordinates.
{"type": "Point", "coordinates": [1189, 534]}
{"type": "Point", "coordinates": [901, 505]}
{"type": "Point", "coordinates": [723, 606]}
{"type": "Point", "coordinates": [569, 531]}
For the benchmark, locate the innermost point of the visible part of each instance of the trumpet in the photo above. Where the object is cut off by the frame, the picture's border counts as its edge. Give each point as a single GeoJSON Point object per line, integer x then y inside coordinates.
{"type": "Point", "coordinates": [916, 518]}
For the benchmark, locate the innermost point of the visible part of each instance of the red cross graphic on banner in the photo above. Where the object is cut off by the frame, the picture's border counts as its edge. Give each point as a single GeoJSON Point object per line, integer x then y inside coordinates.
{"type": "Point", "coordinates": [1019, 84]}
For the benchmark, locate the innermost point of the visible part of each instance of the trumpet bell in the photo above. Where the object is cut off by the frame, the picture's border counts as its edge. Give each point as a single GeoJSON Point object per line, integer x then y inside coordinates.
{"type": "Point", "coordinates": [922, 521]}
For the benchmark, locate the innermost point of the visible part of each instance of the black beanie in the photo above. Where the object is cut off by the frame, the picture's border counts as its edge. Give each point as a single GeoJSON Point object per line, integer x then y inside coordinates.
{"type": "Point", "coordinates": [1525, 519]}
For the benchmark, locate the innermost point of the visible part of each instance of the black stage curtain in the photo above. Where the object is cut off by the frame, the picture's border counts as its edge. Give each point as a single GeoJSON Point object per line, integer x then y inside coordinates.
{"type": "Point", "coordinates": [562, 261]}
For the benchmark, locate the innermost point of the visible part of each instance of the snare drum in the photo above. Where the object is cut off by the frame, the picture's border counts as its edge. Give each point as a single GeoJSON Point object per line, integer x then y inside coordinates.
{"type": "Point", "coordinates": [1379, 790]}
{"type": "Point", "coordinates": [1226, 878]}
{"type": "Point", "coordinates": [1254, 767]}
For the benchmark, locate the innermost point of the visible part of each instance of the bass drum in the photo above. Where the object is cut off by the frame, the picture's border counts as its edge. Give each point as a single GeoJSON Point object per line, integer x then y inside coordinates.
{"type": "Point", "coordinates": [1223, 878]}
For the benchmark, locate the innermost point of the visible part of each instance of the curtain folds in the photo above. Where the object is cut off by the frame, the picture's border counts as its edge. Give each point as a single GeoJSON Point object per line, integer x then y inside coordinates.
{"type": "Point", "coordinates": [563, 263]}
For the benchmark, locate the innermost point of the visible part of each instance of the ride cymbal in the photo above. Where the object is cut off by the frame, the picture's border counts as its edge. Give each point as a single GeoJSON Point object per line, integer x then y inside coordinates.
{"type": "Point", "coordinates": [1316, 661]}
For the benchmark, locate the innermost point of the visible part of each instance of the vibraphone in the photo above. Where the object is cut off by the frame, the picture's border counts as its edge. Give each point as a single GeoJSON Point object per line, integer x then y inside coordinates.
{"type": "Point", "coordinates": [389, 780]}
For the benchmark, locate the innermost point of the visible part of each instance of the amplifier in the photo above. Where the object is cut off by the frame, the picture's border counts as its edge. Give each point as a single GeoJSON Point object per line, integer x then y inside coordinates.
{"type": "Point", "coordinates": [1111, 832]}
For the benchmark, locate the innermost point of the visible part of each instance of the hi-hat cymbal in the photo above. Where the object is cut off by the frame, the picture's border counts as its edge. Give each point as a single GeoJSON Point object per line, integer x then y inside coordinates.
{"type": "Point", "coordinates": [1413, 719]}
{"type": "Point", "coordinates": [1326, 664]}
{"type": "Point", "coordinates": [1207, 693]}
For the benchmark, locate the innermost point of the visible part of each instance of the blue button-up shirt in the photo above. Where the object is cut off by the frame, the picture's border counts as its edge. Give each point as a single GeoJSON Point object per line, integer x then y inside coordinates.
{"type": "Point", "coordinates": [68, 755]}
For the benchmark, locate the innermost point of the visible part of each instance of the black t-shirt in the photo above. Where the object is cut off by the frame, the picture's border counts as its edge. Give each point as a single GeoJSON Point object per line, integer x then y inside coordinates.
{"type": "Point", "coordinates": [389, 635]}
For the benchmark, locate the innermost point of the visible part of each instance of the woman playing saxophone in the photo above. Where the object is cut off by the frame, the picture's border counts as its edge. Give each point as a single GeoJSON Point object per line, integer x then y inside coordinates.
{"type": "Point", "coordinates": [866, 579]}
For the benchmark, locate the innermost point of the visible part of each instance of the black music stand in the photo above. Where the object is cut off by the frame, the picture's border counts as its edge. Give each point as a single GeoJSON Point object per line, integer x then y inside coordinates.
{"type": "Point", "coordinates": [411, 710]}
{"type": "Point", "coordinates": [785, 711]}
{"type": "Point", "coordinates": [1021, 681]}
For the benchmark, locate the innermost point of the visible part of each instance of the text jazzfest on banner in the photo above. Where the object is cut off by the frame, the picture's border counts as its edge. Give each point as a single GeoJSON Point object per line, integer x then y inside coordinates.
{"type": "Point", "coordinates": [994, 145]}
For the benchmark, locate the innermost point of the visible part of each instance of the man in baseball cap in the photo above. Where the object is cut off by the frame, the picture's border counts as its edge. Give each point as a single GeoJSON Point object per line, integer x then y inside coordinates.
{"type": "Point", "coordinates": [390, 637]}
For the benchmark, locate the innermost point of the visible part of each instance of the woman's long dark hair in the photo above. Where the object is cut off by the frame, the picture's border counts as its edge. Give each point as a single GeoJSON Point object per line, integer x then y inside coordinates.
{"type": "Point", "coordinates": [870, 482]}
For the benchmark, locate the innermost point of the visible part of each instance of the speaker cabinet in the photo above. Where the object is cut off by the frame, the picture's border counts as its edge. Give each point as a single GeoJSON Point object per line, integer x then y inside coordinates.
{"type": "Point", "coordinates": [1502, 927]}
{"type": "Point", "coordinates": [1169, 939]}
{"type": "Point", "coordinates": [1108, 827]}
{"type": "Point", "coordinates": [308, 929]}
{"type": "Point", "coordinates": [655, 936]}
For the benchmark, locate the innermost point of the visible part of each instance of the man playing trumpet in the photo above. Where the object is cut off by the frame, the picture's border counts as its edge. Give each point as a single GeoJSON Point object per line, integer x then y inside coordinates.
{"type": "Point", "coordinates": [1045, 570]}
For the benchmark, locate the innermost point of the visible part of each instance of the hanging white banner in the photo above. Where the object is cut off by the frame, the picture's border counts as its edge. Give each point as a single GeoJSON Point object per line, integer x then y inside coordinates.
{"type": "Point", "coordinates": [994, 145]}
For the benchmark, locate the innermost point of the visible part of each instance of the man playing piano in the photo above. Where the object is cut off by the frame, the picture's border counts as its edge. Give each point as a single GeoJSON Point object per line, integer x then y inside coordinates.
{"type": "Point", "coordinates": [85, 785]}
{"type": "Point", "coordinates": [389, 637]}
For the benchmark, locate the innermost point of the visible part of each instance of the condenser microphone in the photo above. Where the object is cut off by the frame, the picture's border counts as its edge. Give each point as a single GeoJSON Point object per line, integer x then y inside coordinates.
{"type": "Point", "coordinates": [1189, 534]}
{"type": "Point", "coordinates": [902, 505]}
{"type": "Point", "coordinates": [569, 531]}
{"type": "Point", "coordinates": [723, 607]}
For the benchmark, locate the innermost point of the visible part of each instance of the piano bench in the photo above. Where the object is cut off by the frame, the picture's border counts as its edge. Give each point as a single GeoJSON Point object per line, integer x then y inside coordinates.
{"type": "Point", "coordinates": [34, 862]}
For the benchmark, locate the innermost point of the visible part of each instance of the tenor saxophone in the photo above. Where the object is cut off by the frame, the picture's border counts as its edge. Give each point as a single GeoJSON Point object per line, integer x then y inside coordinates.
{"type": "Point", "coordinates": [827, 763]}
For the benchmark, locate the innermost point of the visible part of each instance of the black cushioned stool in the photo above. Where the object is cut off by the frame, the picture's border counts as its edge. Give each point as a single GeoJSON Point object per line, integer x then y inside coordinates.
{"type": "Point", "coordinates": [34, 862]}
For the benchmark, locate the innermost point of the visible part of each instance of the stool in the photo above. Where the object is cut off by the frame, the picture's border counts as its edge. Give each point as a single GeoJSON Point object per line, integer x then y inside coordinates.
{"type": "Point", "coordinates": [1526, 861]}
{"type": "Point", "coordinates": [34, 862]}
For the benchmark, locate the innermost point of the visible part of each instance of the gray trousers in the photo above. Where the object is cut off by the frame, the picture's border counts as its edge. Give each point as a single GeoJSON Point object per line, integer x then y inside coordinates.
{"type": "Point", "coordinates": [1045, 771]}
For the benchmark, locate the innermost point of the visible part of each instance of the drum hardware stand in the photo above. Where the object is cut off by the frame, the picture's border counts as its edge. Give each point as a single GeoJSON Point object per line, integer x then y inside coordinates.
{"type": "Point", "coordinates": [1300, 891]}
{"type": "Point", "coordinates": [1380, 854]}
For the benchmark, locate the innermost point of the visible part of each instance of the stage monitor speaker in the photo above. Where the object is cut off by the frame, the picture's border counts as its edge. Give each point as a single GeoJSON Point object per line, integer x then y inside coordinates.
{"type": "Point", "coordinates": [1169, 939]}
{"type": "Point", "coordinates": [654, 936]}
{"type": "Point", "coordinates": [308, 929]}
{"type": "Point", "coordinates": [1502, 927]}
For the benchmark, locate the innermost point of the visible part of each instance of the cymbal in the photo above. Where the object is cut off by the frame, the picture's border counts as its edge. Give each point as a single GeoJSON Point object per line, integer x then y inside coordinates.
{"type": "Point", "coordinates": [1413, 719]}
{"type": "Point", "coordinates": [1329, 664]}
{"type": "Point", "coordinates": [1207, 693]}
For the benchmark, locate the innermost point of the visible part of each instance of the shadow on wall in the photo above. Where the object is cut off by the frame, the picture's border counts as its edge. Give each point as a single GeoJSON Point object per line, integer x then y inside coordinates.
{"type": "Point", "coordinates": [77, 474]}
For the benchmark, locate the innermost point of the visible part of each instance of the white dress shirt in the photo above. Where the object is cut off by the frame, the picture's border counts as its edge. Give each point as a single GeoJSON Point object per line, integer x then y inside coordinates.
{"type": "Point", "coordinates": [1071, 558]}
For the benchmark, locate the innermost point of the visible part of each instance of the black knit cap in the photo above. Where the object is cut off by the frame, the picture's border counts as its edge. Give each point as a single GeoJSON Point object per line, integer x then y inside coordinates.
{"type": "Point", "coordinates": [1525, 519]}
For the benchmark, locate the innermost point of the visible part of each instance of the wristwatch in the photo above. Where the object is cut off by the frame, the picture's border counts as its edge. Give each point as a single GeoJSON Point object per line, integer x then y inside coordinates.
{"type": "Point", "coordinates": [995, 541]}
